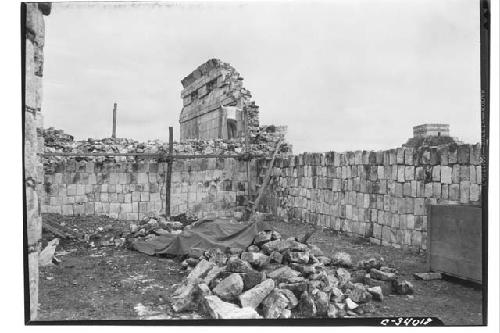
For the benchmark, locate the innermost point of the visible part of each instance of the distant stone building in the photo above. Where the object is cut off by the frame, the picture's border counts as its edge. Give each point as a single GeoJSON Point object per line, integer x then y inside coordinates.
{"type": "Point", "coordinates": [215, 104]}
{"type": "Point", "coordinates": [426, 130]}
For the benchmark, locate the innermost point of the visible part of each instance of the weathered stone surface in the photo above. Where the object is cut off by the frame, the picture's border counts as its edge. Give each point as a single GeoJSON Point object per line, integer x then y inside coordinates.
{"type": "Point", "coordinates": [213, 273]}
{"type": "Point", "coordinates": [307, 306]}
{"type": "Point", "coordinates": [428, 276]}
{"type": "Point", "coordinates": [276, 257]}
{"type": "Point", "coordinates": [380, 275]}
{"type": "Point", "coordinates": [253, 297]}
{"type": "Point", "coordinates": [333, 312]}
{"type": "Point", "coordinates": [283, 245]}
{"type": "Point", "coordinates": [376, 293]}
{"type": "Point", "coordinates": [274, 304]}
{"type": "Point", "coordinates": [350, 304]}
{"type": "Point", "coordinates": [298, 257]}
{"type": "Point", "coordinates": [297, 288]}
{"type": "Point", "coordinates": [283, 274]}
{"type": "Point", "coordinates": [343, 276]}
{"type": "Point", "coordinates": [218, 309]}
{"type": "Point", "coordinates": [292, 299]}
{"type": "Point", "coordinates": [403, 287]}
{"type": "Point", "coordinates": [199, 271]}
{"type": "Point", "coordinates": [235, 250]}
{"type": "Point", "coordinates": [336, 295]}
{"type": "Point", "coordinates": [386, 286]}
{"type": "Point", "coordinates": [252, 278]}
{"type": "Point", "coordinates": [324, 260]}
{"type": "Point", "coordinates": [238, 266]}
{"type": "Point", "coordinates": [369, 264]}
{"type": "Point", "coordinates": [253, 248]}
{"type": "Point", "coordinates": [342, 259]}
{"type": "Point", "coordinates": [184, 298]}
{"type": "Point", "coordinates": [262, 238]}
{"type": "Point", "coordinates": [358, 276]}
{"type": "Point", "coordinates": [285, 314]}
{"type": "Point", "coordinates": [321, 301]}
{"type": "Point", "coordinates": [359, 294]}
{"type": "Point", "coordinates": [256, 259]}
{"type": "Point", "coordinates": [230, 287]}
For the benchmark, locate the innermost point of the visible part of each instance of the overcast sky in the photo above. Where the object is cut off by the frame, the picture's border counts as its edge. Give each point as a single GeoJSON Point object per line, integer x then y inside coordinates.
{"type": "Point", "coordinates": [342, 75]}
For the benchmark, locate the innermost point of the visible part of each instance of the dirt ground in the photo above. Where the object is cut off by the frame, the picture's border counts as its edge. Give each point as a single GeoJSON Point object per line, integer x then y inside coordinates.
{"type": "Point", "coordinates": [114, 283]}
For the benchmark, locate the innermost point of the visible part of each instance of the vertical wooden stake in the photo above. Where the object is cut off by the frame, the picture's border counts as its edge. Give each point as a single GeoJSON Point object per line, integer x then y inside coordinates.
{"type": "Point", "coordinates": [114, 122]}
{"type": "Point", "coordinates": [169, 169]}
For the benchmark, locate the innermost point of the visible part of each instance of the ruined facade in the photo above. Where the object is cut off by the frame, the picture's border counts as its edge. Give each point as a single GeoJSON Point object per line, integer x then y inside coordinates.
{"type": "Point", "coordinates": [425, 130]}
{"type": "Point", "coordinates": [33, 140]}
{"type": "Point", "coordinates": [216, 105]}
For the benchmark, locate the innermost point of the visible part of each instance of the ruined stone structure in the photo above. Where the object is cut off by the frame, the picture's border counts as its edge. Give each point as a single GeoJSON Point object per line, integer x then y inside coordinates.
{"type": "Point", "coordinates": [216, 106]}
{"type": "Point", "coordinates": [207, 187]}
{"type": "Point", "coordinates": [426, 130]}
{"type": "Point", "coordinates": [33, 142]}
{"type": "Point", "coordinates": [383, 195]}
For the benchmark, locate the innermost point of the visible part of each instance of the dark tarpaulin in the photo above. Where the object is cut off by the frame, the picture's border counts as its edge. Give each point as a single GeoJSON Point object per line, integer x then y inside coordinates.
{"type": "Point", "coordinates": [219, 233]}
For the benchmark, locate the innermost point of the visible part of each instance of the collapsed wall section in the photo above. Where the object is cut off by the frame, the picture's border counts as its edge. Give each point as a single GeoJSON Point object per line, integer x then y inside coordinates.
{"type": "Point", "coordinates": [206, 187]}
{"type": "Point", "coordinates": [382, 195]}
{"type": "Point", "coordinates": [216, 105]}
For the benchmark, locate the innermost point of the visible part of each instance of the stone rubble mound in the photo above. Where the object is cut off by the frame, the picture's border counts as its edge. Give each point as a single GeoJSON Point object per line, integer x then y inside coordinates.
{"type": "Point", "coordinates": [56, 141]}
{"type": "Point", "coordinates": [284, 278]}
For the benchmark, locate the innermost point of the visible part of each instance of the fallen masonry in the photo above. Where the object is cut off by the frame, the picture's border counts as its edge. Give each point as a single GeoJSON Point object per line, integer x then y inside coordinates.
{"type": "Point", "coordinates": [247, 284]}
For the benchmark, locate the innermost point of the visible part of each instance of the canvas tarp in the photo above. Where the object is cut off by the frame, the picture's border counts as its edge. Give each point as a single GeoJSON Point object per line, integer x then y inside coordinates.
{"type": "Point", "coordinates": [219, 233]}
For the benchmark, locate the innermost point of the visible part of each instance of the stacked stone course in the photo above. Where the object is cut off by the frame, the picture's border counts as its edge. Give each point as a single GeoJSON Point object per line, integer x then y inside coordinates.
{"type": "Point", "coordinates": [207, 187]}
{"type": "Point", "coordinates": [383, 195]}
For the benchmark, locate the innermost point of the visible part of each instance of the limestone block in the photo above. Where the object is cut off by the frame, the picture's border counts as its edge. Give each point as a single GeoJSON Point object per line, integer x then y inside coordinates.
{"type": "Point", "coordinates": [401, 173]}
{"type": "Point", "coordinates": [475, 192]}
{"type": "Point", "coordinates": [419, 208]}
{"type": "Point", "coordinates": [436, 173]}
{"type": "Point", "coordinates": [444, 191]}
{"type": "Point", "coordinates": [463, 154]}
{"type": "Point", "coordinates": [454, 192]}
{"type": "Point", "coordinates": [455, 175]}
{"type": "Point", "coordinates": [465, 191]}
{"type": "Point", "coordinates": [464, 173]}
{"type": "Point", "coordinates": [446, 174]}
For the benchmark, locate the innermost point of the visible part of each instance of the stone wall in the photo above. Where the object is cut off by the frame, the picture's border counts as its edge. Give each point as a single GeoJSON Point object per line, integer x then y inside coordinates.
{"type": "Point", "coordinates": [33, 141]}
{"type": "Point", "coordinates": [212, 95]}
{"type": "Point", "coordinates": [207, 187]}
{"type": "Point", "coordinates": [382, 195]}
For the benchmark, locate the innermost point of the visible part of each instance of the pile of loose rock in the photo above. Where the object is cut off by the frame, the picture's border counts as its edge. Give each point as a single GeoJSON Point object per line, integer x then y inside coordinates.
{"type": "Point", "coordinates": [56, 141]}
{"type": "Point", "coordinates": [283, 278]}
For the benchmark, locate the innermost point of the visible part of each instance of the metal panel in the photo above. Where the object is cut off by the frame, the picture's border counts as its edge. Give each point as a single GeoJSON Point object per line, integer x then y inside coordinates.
{"type": "Point", "coordinates": [455, 241]}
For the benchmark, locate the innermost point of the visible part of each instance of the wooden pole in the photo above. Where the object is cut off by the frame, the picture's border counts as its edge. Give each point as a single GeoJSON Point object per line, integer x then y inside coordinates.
{"type": "Point", "coordinates": [114, 122]}
{"type": "Point", "coordinates": [169, 170]}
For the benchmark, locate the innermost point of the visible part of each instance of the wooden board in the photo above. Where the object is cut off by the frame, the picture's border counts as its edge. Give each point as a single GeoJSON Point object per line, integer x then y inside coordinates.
{"type": "Point", "coordinates": [455, 241]}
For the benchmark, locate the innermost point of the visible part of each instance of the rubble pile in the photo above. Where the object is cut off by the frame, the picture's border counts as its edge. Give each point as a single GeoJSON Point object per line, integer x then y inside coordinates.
{"type": "Point", "coordinates": [284, 278]}
{"type": "Point", "coordinates": [150, 227]}
{"type": "Point", "coordinates": [113, 233]}
{"type": "Point", "coordinates": [264, 143]}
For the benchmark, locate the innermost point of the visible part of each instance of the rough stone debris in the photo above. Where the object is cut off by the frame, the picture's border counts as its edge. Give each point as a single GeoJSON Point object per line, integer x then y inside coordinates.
{"type": "Point", "coordinates": [253, 297]}
{"type": "Point", "coordinates": [224, 284]}
{"type": "Point", "coordinates": [342, 259]}
{"type": "Point", "coordinates": [47, 254]}
{"type": "Point", "coordinates": [381, 275]}
{"type": "Point", "coordinates": [230, 287]}
{"type": "Point", "coordinates": [403, 287]}
{"type": "Point", "coordinates": [274, 304]}
{"type": "Point", "coordinates": [219, 309]}
{"type": "Point", "coordinates": [428, 276]}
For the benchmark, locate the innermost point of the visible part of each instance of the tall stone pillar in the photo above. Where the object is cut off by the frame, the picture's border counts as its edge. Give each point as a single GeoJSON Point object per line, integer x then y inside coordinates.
{"type": "Point", "coordinates": [33, 141]}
